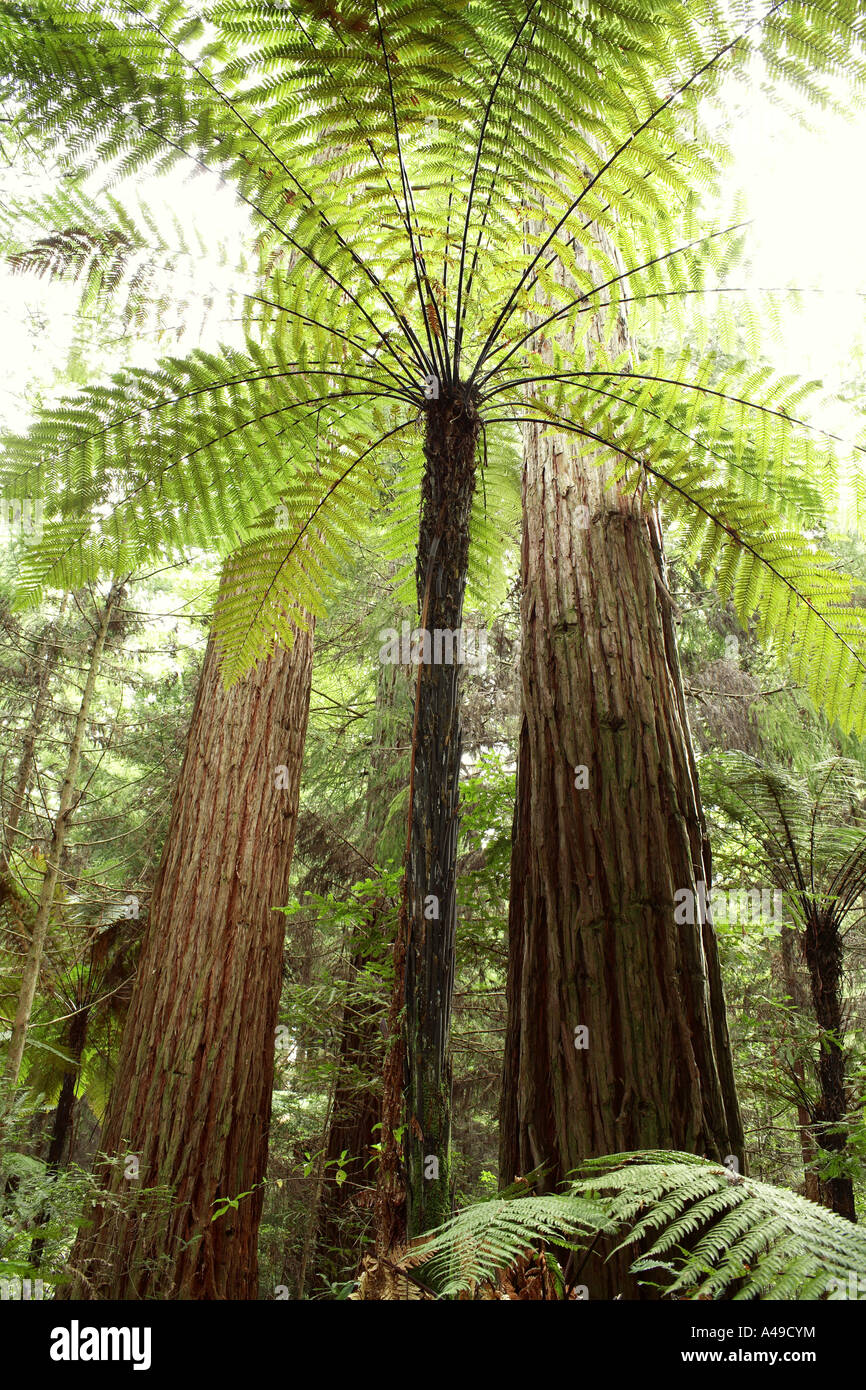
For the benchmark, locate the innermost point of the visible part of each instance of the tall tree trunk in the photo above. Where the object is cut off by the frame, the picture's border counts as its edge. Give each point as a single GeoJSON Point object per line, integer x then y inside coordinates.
{"type": "Point", "coordinates": [823, 954]}
{"type": "Point", "coordinates": [58, 1148]}
{"type": "Point", "coordinates": [33, 959]}
{"type": "Point", "coordinates": [430, 907]}
{"type": "Point", "coordinates": [46, 660]}
{"type": "Point", "coordinates": [60, 1132]}
{"type": "Point", "coordinates": [356, 1110]}
{"type": "Point", "coordinates": [192, 1095]}
{"type": "Point", "coordinates": [616, 1036]}
{"type": "Point", "coordinates": [599, 855]}
{"type": "Point", "coordinates": [357, 1104]}
{"type": "Point", "coordinates": [804, 1119]}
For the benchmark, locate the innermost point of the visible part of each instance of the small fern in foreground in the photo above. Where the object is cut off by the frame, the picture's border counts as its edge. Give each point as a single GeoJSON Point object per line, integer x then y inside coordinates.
{"type": "Point", "coordinates": [714, 1233]}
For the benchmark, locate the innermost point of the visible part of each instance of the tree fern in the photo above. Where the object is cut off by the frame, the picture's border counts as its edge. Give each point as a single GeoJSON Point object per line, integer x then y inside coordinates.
{"type": "Point", "coordinates": [384, 263]}
{"type": "Point", "coordinates": [705, 1232]}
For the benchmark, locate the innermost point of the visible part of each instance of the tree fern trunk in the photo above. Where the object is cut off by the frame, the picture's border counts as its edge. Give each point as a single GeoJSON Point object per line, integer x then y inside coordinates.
{"type": "Point", "coordinates": [823, 954]}
{"type": "Point", "coordinates": [192, 1097]}
{"type": "Point", "coordinates": [452, 429]}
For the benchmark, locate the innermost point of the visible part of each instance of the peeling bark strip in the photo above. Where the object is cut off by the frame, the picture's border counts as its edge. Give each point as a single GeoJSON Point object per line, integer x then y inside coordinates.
{"type": "Point", "coordinates": [592, 938]}
{"type": "Point", "coordinates": [192, 1098]}
{"type": "Point", "coordinates": [452, 430]}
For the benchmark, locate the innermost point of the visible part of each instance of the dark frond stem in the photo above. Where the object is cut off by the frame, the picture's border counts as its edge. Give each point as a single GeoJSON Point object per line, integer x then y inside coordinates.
{"type": "Point", "coordinates": [669, 425]}
{"type": "Point", "coordinates": [459, 311]}
{"type": "Point", "coordinates": [490, 194]}
{"type": "Point", "coordinates": [318, 507]}
{"type": "Point", "coordinates": [436, 358]}
{"type": "Point", "coordinates": [217, 439]}
{"type": "Point", "coordinates": [168, 401]}
{"type": "Point", "coordinates": [229, 105]}
{"type": "Point", "coordinates": [406, 381]}
{"type": "Point", "coordinates": [688, 386]}
{"type": "Point", "coordinates": [414, 346]}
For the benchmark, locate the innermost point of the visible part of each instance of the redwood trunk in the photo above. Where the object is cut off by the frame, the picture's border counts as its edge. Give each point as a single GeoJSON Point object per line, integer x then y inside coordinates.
{"type": "Point", "coordinates": [192, 1098]}
{"type": "Point", "coordinates": [592, 939]}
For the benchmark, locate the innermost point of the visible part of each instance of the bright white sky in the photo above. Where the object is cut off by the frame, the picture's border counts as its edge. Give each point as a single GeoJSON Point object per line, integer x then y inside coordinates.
{"type": "Point", "coordinates": [806, 191]}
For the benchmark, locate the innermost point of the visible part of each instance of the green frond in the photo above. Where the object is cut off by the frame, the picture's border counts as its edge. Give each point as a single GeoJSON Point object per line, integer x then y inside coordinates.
{"type": "Point", "coordinates": [711, 1233]}
{"type": "Point", "coordinates": [745, 1239]}
{"type": "Point", "coordinates": [120, 255]}
{"type": "Point", "coordinates": [747, 481]}
{"type": "Point", "coordinates": [418, 191]}
{"type": "Point", "coordinates": [484, 1239]}
{"type": "Point", "coordinates": [810, 825]}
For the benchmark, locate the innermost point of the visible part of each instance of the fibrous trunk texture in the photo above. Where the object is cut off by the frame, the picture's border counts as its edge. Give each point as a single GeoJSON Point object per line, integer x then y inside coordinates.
{"type": "Point", "coordinates": [616, 1036]}
{"type": "Point", "coordinates": [451, 437]}
{"type": "Point", "coordinates": [607, 829]}
{"type": "Point", "coordinates": [823, 954]}
{"type": "Point", "coordinates": [192, 1098]}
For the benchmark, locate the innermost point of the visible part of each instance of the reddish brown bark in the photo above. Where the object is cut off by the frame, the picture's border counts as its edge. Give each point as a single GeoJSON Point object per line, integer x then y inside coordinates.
{"type": "Point", "coordinates": [594, 871]}
{"type": "Point", "coordinates": [192, 1098]}
{"type": "Point", "coordinates": [607, 828]}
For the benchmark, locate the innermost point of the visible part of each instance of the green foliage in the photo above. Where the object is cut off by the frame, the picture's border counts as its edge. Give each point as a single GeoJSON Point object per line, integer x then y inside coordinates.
{"type": "Point", "coordinates": [421, 206]}
{"type": "Point", "coordinates": [811, 826]}
{"type": "Point", "coordinates": [724, 1234]}
{"type": "Point", "coordinates": [400, 243]}
{"type": "Point", "coordinates": [713, 1233]}
{"type": "Point", "coordinates": [490, 1236]}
